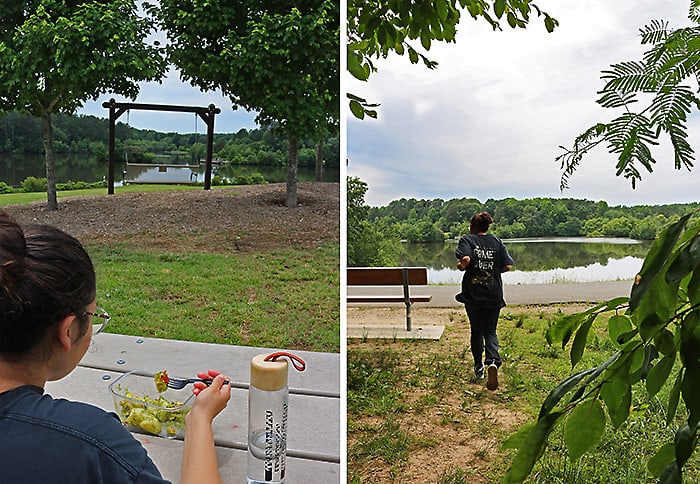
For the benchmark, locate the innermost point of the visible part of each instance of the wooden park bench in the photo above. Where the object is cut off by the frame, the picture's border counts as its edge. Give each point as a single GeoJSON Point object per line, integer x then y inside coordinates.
{"type": "Point", "coordinates": [389, 276]}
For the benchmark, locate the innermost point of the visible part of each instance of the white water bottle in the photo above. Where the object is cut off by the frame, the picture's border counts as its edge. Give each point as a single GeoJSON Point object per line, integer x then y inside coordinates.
{"type": "Point", "coordinates": [268, 402]}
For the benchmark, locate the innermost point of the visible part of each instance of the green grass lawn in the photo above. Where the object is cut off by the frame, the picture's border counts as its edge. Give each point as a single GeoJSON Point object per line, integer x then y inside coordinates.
{"type": "Point", "coordinates": [239, 299]}
{"type": "Point", "coordinates": [236, 298]}
{"type": "Point", "coordinates": [395, 387]}
{"type": "Point", "coordinates": [21, 198]}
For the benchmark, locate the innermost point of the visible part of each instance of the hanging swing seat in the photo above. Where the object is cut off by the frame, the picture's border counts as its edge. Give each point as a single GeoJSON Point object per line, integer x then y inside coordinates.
{"type": "Point", "coordinates": [154, 173]}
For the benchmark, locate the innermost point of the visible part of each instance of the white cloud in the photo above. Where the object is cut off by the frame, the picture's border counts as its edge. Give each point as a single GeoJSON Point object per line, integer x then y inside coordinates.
{"type": "Point", "coordinates": [488, 122]}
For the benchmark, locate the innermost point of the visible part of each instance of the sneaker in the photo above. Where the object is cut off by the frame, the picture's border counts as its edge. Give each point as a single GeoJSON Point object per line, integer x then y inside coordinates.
{"type": "Point", "coordinates": [479, 373]}
{"type": "Point", "coordinates": [492, 382]}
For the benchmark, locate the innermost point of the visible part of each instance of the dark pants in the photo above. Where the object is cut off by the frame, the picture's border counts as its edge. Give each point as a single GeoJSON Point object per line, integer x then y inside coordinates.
{"type": "Point", "coordinates": [483, 323]}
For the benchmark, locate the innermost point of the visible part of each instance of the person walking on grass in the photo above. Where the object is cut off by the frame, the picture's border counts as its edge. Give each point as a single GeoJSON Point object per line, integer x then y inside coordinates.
{"type": "Point", "coordinates": [483, 258]}
{"type": "Point", "coordinates": [47, 317]}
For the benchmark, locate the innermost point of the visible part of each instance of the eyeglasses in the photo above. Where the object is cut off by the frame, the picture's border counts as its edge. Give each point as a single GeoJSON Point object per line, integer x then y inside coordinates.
{"type": "Point", "coordinates": [99, 313]}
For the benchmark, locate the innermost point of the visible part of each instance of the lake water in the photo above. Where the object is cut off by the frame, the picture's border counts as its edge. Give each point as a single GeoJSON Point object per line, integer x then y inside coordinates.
{"type": "Point", "coordinates": [541, 260]}
{"type": "Point", "coordinates": [15, 168]}
{"type": "Point", "coordinates": [188, 174]}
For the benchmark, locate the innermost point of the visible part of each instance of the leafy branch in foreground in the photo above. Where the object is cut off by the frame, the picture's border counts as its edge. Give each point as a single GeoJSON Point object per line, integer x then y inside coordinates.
{"type": "Point", "coordinates": [664, 75]}
{"type": "Point", "coordinates": [656, 330]}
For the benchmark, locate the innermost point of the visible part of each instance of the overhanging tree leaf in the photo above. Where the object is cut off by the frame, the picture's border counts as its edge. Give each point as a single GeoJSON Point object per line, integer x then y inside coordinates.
{"type": "Point", "coordinates": [671, 474]}
{"type": "Point", "coordinates": [658, 255]}
{"type": "Point", "coordinates": [584, 428]}
{"type": "Point", "coordinates": [531, 448]}
{"type": "Point", "coordinates": [562, 389]}
{"type": "Point", "coordinates": [674, 397]}
{"type": "Point", "coordinates": [665, 455]}
{"type": "Point", "coordinates": [580, 340]}
{"type": "Point", "coordinates": [617, 396]}
{"type": "Point", "coordinates": [685, 441]}
{"type": "Point", "coordinates": [665, 343]}
{"type": "Point", "coordinates": [572, 382]}
{"type": "Point", "coordinates": [620, 329]}
{"type": "Point", "coordinates": [659, 374]}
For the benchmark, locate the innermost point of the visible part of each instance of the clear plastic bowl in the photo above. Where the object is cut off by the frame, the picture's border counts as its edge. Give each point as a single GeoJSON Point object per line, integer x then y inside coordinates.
{"type": "Point", "coordinates": [142, 409]}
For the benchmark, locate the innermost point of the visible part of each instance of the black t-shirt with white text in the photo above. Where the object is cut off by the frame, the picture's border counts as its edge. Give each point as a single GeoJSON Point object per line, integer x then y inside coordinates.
{"type": "Point", "coordinates": [482, 283]}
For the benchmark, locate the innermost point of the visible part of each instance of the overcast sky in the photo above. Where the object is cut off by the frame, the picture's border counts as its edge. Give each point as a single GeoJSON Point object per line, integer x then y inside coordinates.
{"type": "Point", "coordinates": [488, 122]}
{"type": "Point", "coordinates": [174, 91]}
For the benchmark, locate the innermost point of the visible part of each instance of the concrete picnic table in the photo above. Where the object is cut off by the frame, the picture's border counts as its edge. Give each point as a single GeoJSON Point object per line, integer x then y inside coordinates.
{"type": "Point", "coordinates": [313, 436]}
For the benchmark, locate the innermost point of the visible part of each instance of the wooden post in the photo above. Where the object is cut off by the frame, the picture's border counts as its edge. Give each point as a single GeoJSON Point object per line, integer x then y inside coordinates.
{"type": "Point", "coordinates": [112, 131]}
{"type": "Point", "coordinates": [209, 120]}
{"type": "Point", "coordinates": [406, 298]}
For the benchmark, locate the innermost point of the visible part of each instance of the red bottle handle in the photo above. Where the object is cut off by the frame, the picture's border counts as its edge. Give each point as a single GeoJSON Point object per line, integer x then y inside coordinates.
{"type": "Point", "coordinates": [297, 362]}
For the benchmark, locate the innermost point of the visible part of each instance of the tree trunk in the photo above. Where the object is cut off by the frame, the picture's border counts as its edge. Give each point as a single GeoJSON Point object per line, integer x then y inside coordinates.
{"type": "Point", "coordinates": [291, 200]}
{"type": "Point", "coordinates": [50, 167]}
{"type": "Point", "coordinates": [319, 161]}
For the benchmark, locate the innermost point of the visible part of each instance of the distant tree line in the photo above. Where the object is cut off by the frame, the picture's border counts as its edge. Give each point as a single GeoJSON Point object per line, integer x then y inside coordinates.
{"type": "Point", "coordinates": [374, 232]}
{"type": "Point", "coordinates": [435, 220]}
{"type": "Point", "coordinates": [88, 134]}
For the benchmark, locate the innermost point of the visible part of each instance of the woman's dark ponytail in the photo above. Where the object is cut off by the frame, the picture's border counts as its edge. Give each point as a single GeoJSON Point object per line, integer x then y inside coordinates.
{"type": "Point", "coordinates": [45, 275]}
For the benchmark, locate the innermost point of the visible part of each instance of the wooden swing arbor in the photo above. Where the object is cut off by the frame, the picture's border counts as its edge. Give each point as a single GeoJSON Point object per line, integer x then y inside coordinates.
{"type": "Point", "coordinates": [206, 113]}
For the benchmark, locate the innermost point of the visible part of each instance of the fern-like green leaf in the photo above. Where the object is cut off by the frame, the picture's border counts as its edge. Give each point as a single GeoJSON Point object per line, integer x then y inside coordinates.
{"type": "Point", "coordinates": [694, 13]}
{"type": "Point", "coordinates": [616, 99]}
{"type": "Point", "coordinates": [655, 32]}
{"type": "Point", "coordinates": [628, 76]}
{"type": "Point", "coordinates": [571, 158]}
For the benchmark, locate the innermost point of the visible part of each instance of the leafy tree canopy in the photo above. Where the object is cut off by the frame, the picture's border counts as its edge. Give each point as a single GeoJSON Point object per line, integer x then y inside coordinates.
{"type": "Point", "coordinates": [656, 333]}
{"type": "Point", "coordinates": [377, 28]}
{"type": "Point", "coordinates": [279, 59]}
{"type": "Point", "coordinates": [366, 245]}
{"type": "Point", "coordinates": [654, 97]}
{"type": "Point", "coordinates": [55, 55]}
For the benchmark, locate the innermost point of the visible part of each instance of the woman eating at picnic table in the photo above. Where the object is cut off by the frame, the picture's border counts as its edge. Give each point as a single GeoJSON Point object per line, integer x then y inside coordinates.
{"type": "Point", "coordinates": [47, 312]}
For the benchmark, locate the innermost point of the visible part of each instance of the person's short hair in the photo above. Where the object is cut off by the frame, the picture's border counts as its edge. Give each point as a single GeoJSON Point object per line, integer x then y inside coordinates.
{"type": "Point", "coordinates": [481, 221]}
{"type": "Point", "coordinates": [45, 275]}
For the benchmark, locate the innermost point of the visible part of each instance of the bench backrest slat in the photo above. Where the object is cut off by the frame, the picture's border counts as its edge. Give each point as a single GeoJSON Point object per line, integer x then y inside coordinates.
{"type": "Point", "coordinates": [386, 276]}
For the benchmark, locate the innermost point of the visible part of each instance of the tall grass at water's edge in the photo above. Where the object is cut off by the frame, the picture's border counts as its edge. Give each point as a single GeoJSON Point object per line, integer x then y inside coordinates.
{"type": "Point", "coordinates": [392, 387]}
{"type": "Point", "coordinates": [239, 299]}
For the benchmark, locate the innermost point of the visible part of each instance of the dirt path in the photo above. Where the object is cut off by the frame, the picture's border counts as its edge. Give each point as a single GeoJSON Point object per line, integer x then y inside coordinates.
{"type": "Point", "coordinates": [464, 424]}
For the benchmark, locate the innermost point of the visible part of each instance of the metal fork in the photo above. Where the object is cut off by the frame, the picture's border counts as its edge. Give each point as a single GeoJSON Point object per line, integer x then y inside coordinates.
{"type": "Point", "coordinates": [180, 383]}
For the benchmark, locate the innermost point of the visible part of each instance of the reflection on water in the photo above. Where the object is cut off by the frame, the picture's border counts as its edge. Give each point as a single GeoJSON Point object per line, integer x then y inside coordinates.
{"type": "Point", "coordinates": [161, 174]}
{"type": "Point", "coordinates": [15, 168]}
{"type": "Point", "coordinates": [615, 270]}
{"type": "Point", "coordinates": [136, 173]}
{"type": "Point", "coordinates": [541, 261]}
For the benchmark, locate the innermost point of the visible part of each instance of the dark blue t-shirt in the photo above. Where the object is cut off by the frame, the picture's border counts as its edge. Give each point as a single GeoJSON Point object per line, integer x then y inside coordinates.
{"type": "Point", "coordinates": [46, 440]}
{"type": "Point", "coordinates": [482, 283]}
